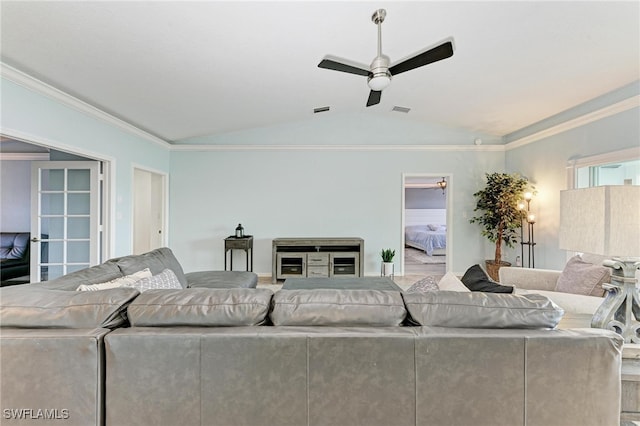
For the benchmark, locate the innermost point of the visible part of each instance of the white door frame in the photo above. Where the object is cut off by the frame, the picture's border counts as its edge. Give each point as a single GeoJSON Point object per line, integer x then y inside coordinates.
{"type": "Point", "coordinates": [449, 207]}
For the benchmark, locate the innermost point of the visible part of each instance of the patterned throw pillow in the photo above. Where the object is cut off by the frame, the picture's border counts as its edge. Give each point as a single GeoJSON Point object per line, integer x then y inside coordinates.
{"type": "Point", "coordinates": [166, 279]}
{"type": "Point", "coordinates": [425, 284]}
{"type": "Point", "coordinates": [126, 281]}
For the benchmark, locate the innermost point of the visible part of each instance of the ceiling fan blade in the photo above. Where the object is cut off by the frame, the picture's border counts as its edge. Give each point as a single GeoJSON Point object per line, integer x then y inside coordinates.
{"type": "Point", "coordinates": [425, 57]}
{"type": "Point", "coordinates": [343, 65]}
{"type": "Point", "coordinates": [374, 97]}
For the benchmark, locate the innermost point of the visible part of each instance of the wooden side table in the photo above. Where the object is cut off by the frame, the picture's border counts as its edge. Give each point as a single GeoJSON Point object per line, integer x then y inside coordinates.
{"type": "Point", "coordinates": [238, 243]}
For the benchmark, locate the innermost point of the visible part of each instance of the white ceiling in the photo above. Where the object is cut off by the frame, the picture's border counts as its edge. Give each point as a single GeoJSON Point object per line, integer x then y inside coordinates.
{"type": "Point", "coordinates": [185, 69]}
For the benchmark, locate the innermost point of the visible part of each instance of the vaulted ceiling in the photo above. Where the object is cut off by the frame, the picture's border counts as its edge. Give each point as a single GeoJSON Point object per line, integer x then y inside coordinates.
{"type": "Point", "coordinates": [185, 69]}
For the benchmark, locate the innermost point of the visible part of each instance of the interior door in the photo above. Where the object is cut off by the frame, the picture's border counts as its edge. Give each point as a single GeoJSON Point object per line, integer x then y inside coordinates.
{"type": "Point", "coordinates": [65, 217]}
{"type": "Point", "coordinates": [149, 200]}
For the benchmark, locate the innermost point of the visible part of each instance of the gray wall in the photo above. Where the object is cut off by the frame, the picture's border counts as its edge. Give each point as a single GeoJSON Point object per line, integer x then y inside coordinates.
{"type": "Point", "coordinates": [423, 198]}
{"type": "Point", "coordinates": [15, 195]}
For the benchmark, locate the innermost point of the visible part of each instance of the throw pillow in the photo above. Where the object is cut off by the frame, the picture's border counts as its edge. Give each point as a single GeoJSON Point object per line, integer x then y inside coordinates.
{"type": "Point", "coordinates": [580, 277]}
{"type": "Point", "coordinates": [476, 279]}
{"type": "Point", "coordinates": [125, 281]}
{"type": "Point", "coordinates": [482, 310]}
{"type": "Point", "coordinates": [451, 283]}
{"type": "Point", "coordinates": [425, 284]}
{"type": "Point", "coordinates": [166, 279]}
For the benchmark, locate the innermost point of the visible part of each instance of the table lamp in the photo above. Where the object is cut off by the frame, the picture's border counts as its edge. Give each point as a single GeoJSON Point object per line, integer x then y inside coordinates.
{"type": "Point", "coordinates": [605, 220]}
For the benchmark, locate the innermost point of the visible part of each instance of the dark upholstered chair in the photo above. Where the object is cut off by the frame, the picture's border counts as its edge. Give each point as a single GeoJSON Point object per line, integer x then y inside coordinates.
{"type": "Point", "coordinates": [14, 255]}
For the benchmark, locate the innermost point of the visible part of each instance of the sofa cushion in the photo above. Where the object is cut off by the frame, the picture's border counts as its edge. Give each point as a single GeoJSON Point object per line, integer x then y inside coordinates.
{"type": "Point", "coordinates": [451, 283]}
{"type": "Point", "coordinates": [476, 279]}
{"type": "Point", "coordinates": [580, 277]}
{"type": "Point", "coordinates": [96, 274]}
{"type": "Point", "coordinates": [482, 310]}
{"type": "Point", "coordinates": [338, 307]}
{"type": "Point", "coordinates": [126, 281]}
{"type": "Point", "coordinates": [156, 260]}
{"type": "Point", "coordinates": [30, 306]}
{"type": "Point", "coordinates": [164, 280]}
{"type": "Point", "coordinates": [578, 304]}
{"type": "Point", "coordinates": [222, 279]}
{"type": "Point", "coordinates": [202, 307]}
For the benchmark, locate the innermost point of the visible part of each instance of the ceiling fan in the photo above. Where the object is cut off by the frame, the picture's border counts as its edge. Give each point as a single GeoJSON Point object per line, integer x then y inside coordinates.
{"type": "Point", "coordinates": [380, 72]}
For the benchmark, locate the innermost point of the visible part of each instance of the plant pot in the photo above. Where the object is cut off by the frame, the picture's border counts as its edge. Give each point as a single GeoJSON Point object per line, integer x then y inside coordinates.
{"type": "Point", "coordinates": [493, 268]}
{"type": "Point", "coordinates": [387, 269]}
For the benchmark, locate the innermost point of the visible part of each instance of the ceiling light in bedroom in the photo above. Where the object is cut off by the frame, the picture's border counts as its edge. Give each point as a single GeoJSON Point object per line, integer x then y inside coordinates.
{"type": "Point", "coordinates": [442, 184]}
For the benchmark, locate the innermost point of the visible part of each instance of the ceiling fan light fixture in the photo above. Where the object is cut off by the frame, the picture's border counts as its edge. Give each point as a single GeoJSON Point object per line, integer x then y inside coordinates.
{"type": "Point", "coordinates": [379, 81]}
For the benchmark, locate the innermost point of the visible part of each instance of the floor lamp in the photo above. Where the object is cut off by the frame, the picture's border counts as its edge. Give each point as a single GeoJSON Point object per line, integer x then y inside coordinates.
{"type": "Point", "coordinates": [605, 220]}
{"type": "Point", "coordinates": [530, 220]}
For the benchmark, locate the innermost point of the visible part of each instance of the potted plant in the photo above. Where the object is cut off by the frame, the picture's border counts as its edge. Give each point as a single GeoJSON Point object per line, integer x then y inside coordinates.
{"type": "Point", "coordinates": [387, 262]}
{"type": "Point", "coordinates": [499, 215]}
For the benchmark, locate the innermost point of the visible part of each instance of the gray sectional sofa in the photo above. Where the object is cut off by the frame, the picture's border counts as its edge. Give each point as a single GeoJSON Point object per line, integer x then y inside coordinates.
{"type": "Point", "coordinates": [248, 356]}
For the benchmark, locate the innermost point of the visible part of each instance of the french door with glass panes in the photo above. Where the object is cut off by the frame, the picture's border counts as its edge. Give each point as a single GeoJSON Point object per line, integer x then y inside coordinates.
{"type": "Point", "coordinates": [65, 217]}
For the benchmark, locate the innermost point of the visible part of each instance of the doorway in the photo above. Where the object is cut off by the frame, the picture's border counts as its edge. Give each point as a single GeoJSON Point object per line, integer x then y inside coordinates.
{"type": "Point", "coordinates": [82, 233]}
{"type": "Point", "coordinates": [425, 224]}
{"type": "Point", "coordinates": [149, 210]}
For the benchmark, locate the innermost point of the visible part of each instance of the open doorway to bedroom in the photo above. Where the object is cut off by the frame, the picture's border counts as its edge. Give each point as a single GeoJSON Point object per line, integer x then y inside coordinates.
{"type": "Point", "coordinates": [425, 230]}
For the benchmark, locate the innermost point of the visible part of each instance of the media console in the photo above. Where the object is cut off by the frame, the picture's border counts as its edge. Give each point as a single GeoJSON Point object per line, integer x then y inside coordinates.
{"type": "Point", "coordinates": [317, 257]}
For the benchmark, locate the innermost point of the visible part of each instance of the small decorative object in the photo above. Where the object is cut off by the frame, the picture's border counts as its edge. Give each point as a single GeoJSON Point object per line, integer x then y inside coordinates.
{"type": "Point", "coordinates": [239, 231]}
{"type": "Point", "coordinates": [442, 184]}
{"type": "Point", "coordinates": [500, 217]}
{"type": "Point", "coordinates": [387, 262]}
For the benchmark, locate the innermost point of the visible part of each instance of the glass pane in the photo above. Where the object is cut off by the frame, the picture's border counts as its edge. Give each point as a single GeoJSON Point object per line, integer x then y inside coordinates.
{"type": "Point", "coordinates": [56, 252]}
{"type": "Point", "coordinates": [52, 272]}
{"type": "Point", "coordinates": [52, 227]}
{"type": "Point", "coordinates": [52, 180]}
{"type": "Point", "coordinates": [73, 268]}
{"type": "Point", "coordinates": [79, 180]}
{"type": "Point", "coordinates": [78, 227]}
{"type": "Point", "coordinates": [52, 203]}
{"type": "Point", "coordinates": [78, 252]}
{"type": "Point", "coordinates": [78, 203]}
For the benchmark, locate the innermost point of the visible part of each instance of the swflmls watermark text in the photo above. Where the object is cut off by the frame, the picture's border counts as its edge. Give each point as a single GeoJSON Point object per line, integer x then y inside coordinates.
{"type": "Point", "coordinates": [35, 413]}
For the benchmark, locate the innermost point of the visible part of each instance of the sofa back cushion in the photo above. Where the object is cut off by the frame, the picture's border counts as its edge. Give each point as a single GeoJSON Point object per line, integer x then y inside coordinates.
{"type": "Point", "coordinates": [14, 245]}
{"type": "Point", "coordinates": [95, 275]}
{"type": "Point", "coordinates": [338, 307]}
{"type": "Point", "coordinates": [34, 306]}
{"type": "Point", "coordinates": [200, 307]}
{"type": "Point", "coordinates": [156, 260]}
{"type": "Point", "coordinates": [482, 310]}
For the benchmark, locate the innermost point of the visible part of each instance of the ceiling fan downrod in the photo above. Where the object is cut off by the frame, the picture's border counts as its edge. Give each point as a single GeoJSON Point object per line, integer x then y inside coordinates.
{"type": "Point", "coordinates": [380, 76]}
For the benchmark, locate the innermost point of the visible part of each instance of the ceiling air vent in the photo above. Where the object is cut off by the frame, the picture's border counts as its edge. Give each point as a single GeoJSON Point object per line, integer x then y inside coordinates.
{"type": "Point", "coordinates": [321, 109]}
{"type": "Point", "coordinates": [400, 109]}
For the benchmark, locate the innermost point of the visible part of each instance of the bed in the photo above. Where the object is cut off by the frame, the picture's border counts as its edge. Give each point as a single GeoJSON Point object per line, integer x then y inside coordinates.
{"type": "Point", "coordinates": [426, 229]}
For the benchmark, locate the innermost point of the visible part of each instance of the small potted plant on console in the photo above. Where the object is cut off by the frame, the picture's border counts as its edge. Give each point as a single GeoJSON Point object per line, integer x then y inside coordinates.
{"type": "Point", "coordinates": [387, 262]}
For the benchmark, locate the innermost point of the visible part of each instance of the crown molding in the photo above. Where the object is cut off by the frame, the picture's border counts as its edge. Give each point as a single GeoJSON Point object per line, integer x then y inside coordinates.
{"type": "Point", "coordinates": [441, 148]}
{"type": "Point", "coordinates": [42, 88]}
{"type": "Point", "coordinates": [613, 109]}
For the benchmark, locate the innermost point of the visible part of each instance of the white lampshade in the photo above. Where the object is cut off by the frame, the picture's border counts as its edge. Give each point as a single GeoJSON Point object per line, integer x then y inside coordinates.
{"type": "Point", "coordinates": [379, 82]}
{"type": "Point", "coordinates": [602, 220]}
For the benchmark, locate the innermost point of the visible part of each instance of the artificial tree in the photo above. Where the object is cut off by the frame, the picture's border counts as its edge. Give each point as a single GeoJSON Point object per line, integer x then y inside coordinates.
{"type": "Point", "coordinates": [499, 215]}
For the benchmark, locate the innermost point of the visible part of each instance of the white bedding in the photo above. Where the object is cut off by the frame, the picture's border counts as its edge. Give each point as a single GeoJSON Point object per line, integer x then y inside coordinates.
{"type": "Point", "coordinates": [426, 237]}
